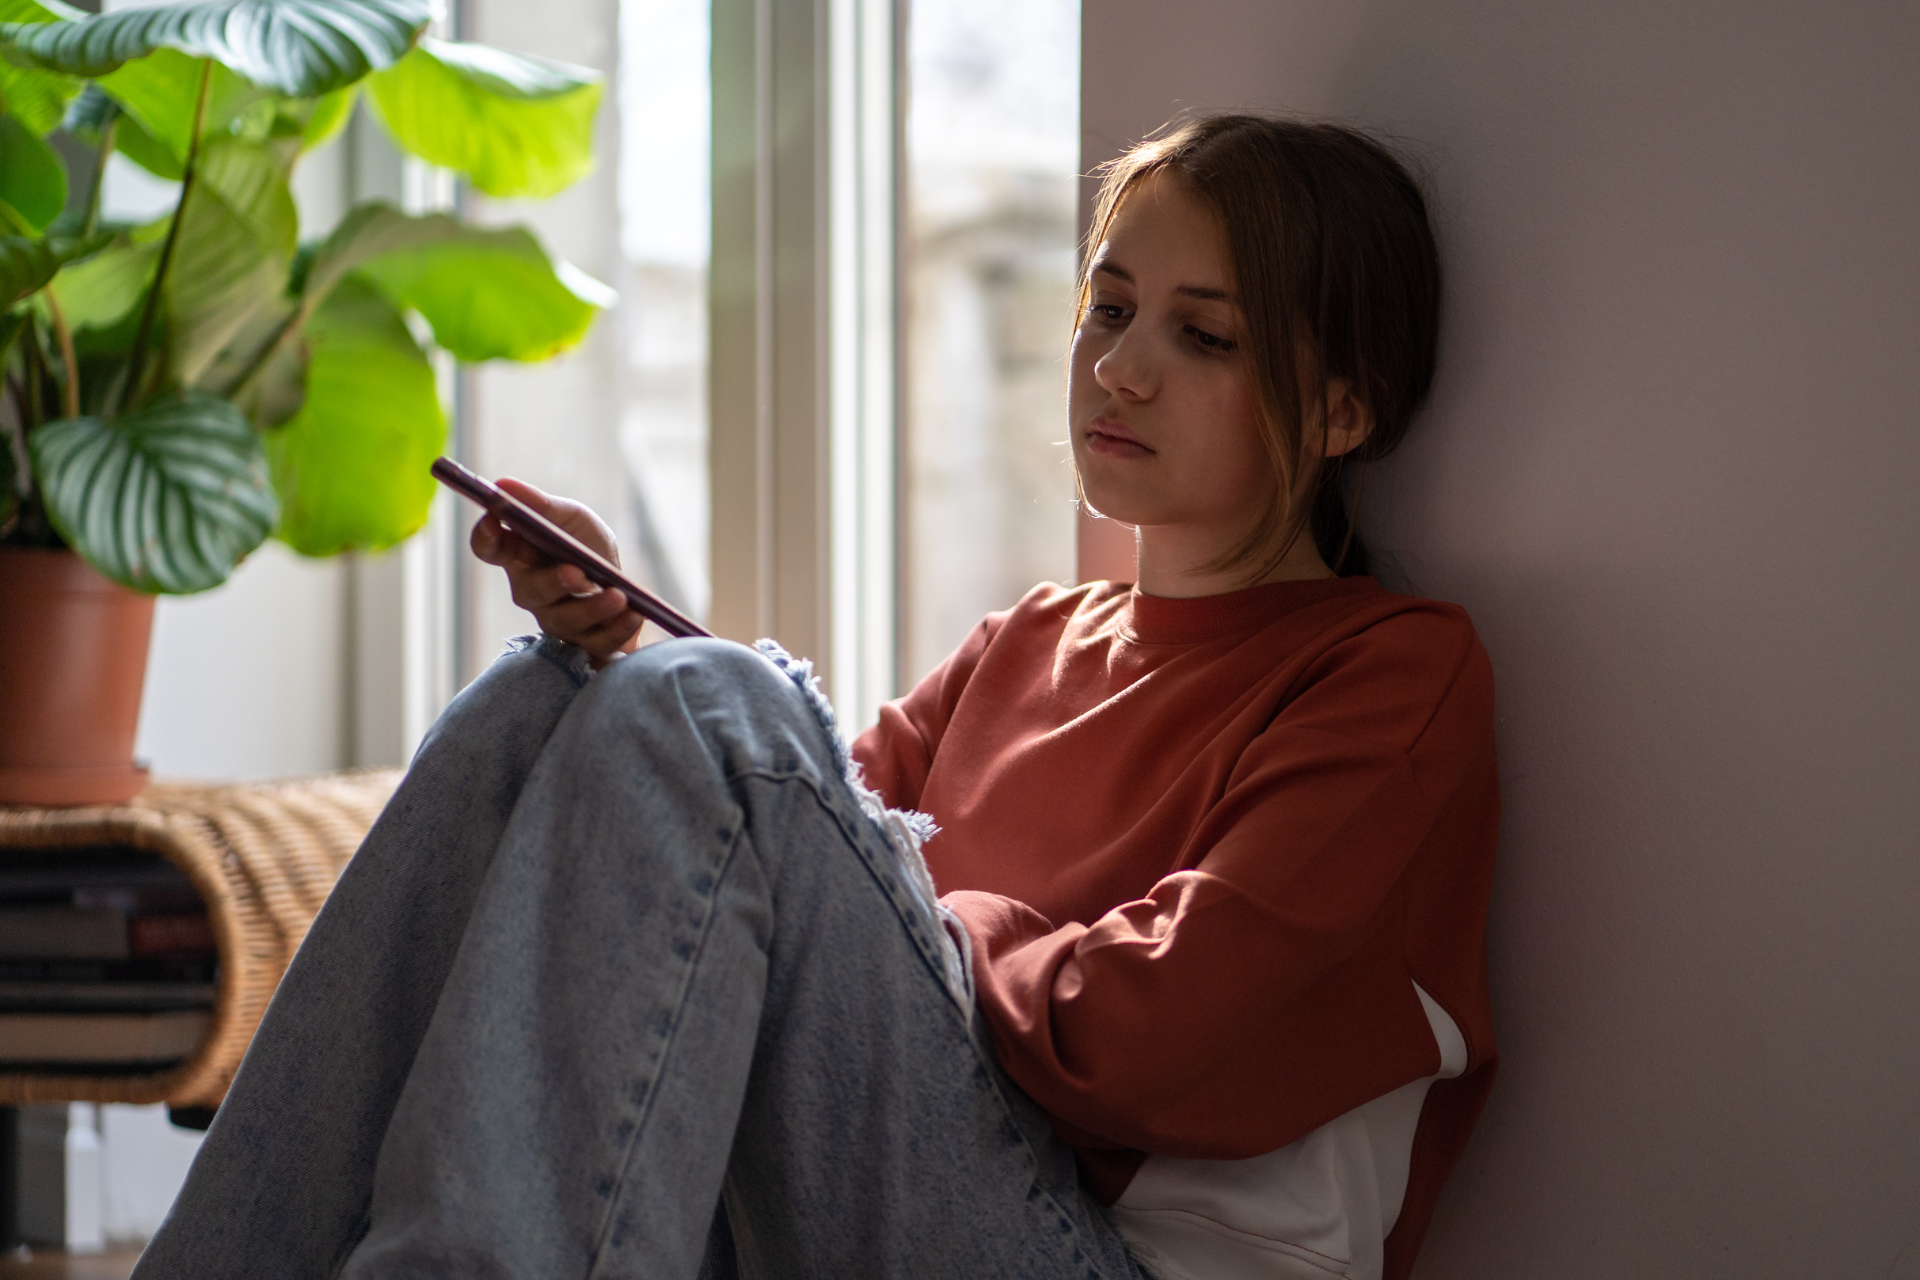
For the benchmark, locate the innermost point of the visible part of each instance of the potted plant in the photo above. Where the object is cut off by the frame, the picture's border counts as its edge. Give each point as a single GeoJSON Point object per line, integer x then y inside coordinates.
{"type": "Point", "coordinates": [178, 391]}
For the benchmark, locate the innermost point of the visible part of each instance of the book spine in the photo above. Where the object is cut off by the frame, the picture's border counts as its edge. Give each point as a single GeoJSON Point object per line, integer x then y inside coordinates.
{"type": "Point", "coordinates": [146, 969]}
{"type": "Point", "coordinates": [170, 935]}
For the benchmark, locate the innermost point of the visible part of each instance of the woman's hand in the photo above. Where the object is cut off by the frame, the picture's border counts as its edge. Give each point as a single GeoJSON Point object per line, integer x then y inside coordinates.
{"type": "Point", "coordinates": [567, 606]}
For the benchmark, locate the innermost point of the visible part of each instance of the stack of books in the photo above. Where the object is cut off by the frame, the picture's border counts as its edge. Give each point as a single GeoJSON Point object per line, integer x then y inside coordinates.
{"type": "Point", "coordinates": [107, 961]}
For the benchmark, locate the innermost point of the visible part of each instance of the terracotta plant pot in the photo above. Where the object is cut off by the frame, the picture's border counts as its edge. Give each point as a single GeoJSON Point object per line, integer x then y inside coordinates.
{"type": "Point", "coordinates": [73, 659]}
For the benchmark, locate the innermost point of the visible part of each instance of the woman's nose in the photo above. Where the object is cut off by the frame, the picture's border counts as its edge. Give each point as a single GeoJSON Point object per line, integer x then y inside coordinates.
{"type": "Point", "coordinates": [1127, 368]}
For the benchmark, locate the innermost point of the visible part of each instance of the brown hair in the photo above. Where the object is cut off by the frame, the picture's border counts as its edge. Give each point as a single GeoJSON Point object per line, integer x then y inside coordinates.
{"type": "Point", "coordinates": [1337, 274]}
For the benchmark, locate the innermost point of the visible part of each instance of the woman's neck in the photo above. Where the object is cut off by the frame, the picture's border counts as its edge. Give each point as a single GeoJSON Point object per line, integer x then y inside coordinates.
{"type": "Point", "coordinates": [1174, 561]}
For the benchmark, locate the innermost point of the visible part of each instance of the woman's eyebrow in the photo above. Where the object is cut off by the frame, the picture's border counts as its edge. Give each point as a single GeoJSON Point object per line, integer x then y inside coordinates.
{"type": "Point", "coordinates": [1205, 293]}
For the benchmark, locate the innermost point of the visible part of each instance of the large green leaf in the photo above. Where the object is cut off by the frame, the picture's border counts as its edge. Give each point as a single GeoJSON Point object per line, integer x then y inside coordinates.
{"type": "Point", "coordinates": [101, 290]}
{"type": "Point", "coordinates": [275, 391]}
{"type": "Point", "coordinates": [32, 178]}
{"type": "Point", "coordinates": [351, 466]}
{"type": "Point", "coordinates": [38, 97]}
{"type": "Point", "coordinates": [28, 263]}
{"type": "Point", "coordinates": [89, 115]}
{"type": "Point", "coordinates": [488, 294]}
{"type": "Point", "coordinates": [154, 98]}
{"type": "Point", "coordinates": [11, 323]}
{"type": "Point", "coordinates": [513, 125]}
{"type": "Point", "coordinates": [328, 117]}
{"type": "Point", "coordinates": [297, 47]}
{"type": "Point", "coordinates": [237, 237]}
{"type": "Point", "coordinates": [160, 91]}
{"type": "Point", "coordinates": [169, 498]}
{"type": "Point", "coordinates": [139, 146]}
{"type": "Point", "coordinates": [25, 265]}
{"type": "Point", "coordinates": [31, 11]}
{"type": "Point", "coordinates": [368, 231]}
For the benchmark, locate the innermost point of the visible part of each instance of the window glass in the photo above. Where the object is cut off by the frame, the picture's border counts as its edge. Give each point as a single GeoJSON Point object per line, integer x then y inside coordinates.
{"type": "Point", "coordinates": [620, 422]}
{"type": "Point", "coordinates": [665, 141]}
{"type": "Point", "coordinates": [992, 151]}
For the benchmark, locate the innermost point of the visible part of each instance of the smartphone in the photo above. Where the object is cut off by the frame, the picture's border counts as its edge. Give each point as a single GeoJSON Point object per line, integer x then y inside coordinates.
{"type": "Point", "coordinates": [548, 538]}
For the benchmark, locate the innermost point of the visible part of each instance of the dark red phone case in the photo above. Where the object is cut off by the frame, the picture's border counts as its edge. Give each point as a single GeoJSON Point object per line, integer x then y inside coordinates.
{"type": "Point", "coordinates": [550, 539]}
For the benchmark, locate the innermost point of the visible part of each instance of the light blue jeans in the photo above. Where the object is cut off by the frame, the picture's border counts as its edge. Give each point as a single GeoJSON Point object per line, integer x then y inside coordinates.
{"type": "Point", "coordinates": [624, 983]}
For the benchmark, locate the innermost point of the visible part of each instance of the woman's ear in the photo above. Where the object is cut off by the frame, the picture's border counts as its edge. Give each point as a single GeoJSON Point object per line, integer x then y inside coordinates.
{"type": "Point", "coordinates": [1349, 422]}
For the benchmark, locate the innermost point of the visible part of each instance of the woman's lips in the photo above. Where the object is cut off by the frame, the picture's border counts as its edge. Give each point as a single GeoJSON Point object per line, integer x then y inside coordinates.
{"type": "Point", "coordinates": [1115, 439]}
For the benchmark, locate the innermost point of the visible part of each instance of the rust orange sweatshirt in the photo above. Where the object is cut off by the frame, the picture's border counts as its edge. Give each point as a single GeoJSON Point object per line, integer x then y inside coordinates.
{"type": "Point", "coordinates": [1203, 848]}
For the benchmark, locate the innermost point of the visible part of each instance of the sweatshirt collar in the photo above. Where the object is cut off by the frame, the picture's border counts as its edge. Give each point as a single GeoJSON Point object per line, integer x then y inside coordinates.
{"type": "Point", "coordinates": [1195, 619]}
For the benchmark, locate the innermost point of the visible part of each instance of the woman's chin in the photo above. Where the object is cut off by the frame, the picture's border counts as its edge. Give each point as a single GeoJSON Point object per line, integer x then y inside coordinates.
{"type": "Point", "coordinates": [1111, 492]}
{"type": "Point", "coordinates": [1115, 502]}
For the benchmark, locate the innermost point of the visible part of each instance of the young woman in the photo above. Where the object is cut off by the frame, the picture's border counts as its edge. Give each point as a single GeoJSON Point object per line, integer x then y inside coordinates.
{"type": "Point", "coordinates": [631, 979]}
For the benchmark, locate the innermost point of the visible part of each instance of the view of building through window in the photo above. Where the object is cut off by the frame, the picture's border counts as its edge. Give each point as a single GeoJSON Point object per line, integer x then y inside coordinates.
{"type": "Point", "coordinates": [664, 238]}
{"type": "Point", "coordinates": [991, 93]}
{"type": "Point", "coordinates": [619, 423]}
{"type": "Point", "coordinates": [992, 150]}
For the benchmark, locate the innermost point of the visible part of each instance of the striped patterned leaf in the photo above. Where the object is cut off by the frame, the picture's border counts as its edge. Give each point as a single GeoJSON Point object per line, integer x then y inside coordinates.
{"type": "Point", "coordinates": [37, 97]}
{"type": "Point", "coordinates": [168, 499]}
{"type": "Point", "coordinates": [301, 48]}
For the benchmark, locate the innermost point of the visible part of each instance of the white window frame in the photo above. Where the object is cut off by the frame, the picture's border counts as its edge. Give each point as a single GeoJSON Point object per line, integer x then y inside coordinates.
{"type": "Point", "coordinates": [802, 311]}
{"type": "Point", "coordinates": [402, 644]}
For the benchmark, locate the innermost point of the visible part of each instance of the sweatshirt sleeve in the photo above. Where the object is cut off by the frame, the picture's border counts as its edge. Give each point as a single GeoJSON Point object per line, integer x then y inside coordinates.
{"type": "Point", "coordinates": [896, 753]}
{"type": "Point", "coordinates": [1261, 991]}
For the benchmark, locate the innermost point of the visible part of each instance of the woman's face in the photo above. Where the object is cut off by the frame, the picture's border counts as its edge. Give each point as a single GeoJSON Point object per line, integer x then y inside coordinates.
{"type": "Point", "coordinates": [1163, 409]}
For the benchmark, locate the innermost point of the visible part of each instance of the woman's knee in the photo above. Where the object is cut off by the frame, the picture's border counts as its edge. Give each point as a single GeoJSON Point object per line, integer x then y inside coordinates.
{"type": "Point", "coordinates": [732, 697]}
{"type": "Point", "coordinates": [693, 672]}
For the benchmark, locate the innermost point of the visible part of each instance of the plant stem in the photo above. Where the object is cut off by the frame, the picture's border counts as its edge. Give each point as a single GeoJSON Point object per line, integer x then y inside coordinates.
{"type": "Point", "coordinates": [69, 393]}
{"type": "Point", "coordinates": [145, 331]}
{"type": "Point", "coordinates": [99, 176]}
{"type": "Point", "coordinates": [36, 375]}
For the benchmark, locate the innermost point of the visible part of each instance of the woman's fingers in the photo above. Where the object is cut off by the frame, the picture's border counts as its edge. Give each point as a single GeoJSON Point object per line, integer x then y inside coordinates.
{"type": "Point", "coordinates": [601, 624]}
{"type": "Point", "coordinates": [494, 543]}
{"type": "Point", "coordinates": [615, 636]}
{"type": "Point", "coordinates": [548, 584]}
{"type": "Point", "coordinates": [561, 598]}
{"type": "Point", "coordinates": [576, 518]}
{"type": "Point", "coordinates": [570, 616]}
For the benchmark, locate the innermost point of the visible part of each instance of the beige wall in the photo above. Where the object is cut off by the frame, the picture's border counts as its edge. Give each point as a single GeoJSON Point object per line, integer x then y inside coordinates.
{"type": "Point", "coordinates": [1671, 468]}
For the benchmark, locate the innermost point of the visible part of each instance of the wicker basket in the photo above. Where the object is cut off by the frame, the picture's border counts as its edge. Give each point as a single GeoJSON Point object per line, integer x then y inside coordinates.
{"type": "Point", "coordinates": [263, 856]}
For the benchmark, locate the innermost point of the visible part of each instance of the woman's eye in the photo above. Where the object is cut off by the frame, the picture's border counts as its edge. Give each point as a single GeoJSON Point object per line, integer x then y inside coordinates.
{"type": "Point", "coordinates": [1107, 312]}
{"type": "Point", "coordinates": [1211, 341]}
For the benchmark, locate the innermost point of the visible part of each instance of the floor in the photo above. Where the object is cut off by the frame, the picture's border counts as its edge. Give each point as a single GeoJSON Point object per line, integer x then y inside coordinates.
{"type": "Point", "coordinates": [52, 1264]}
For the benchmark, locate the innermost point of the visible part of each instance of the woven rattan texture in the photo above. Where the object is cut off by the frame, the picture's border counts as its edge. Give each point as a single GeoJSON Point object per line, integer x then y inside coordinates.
{"type": "Point", "coordinates": [262, 855]}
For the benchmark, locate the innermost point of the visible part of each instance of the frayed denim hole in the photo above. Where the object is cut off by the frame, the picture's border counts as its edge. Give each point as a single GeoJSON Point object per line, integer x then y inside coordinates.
{"type": "Point", "coordinates": [576, 662]}
{"type": "Point", "coordinates": [800, 671]}
{"type": "Point", "coordinates": [905, 830]}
